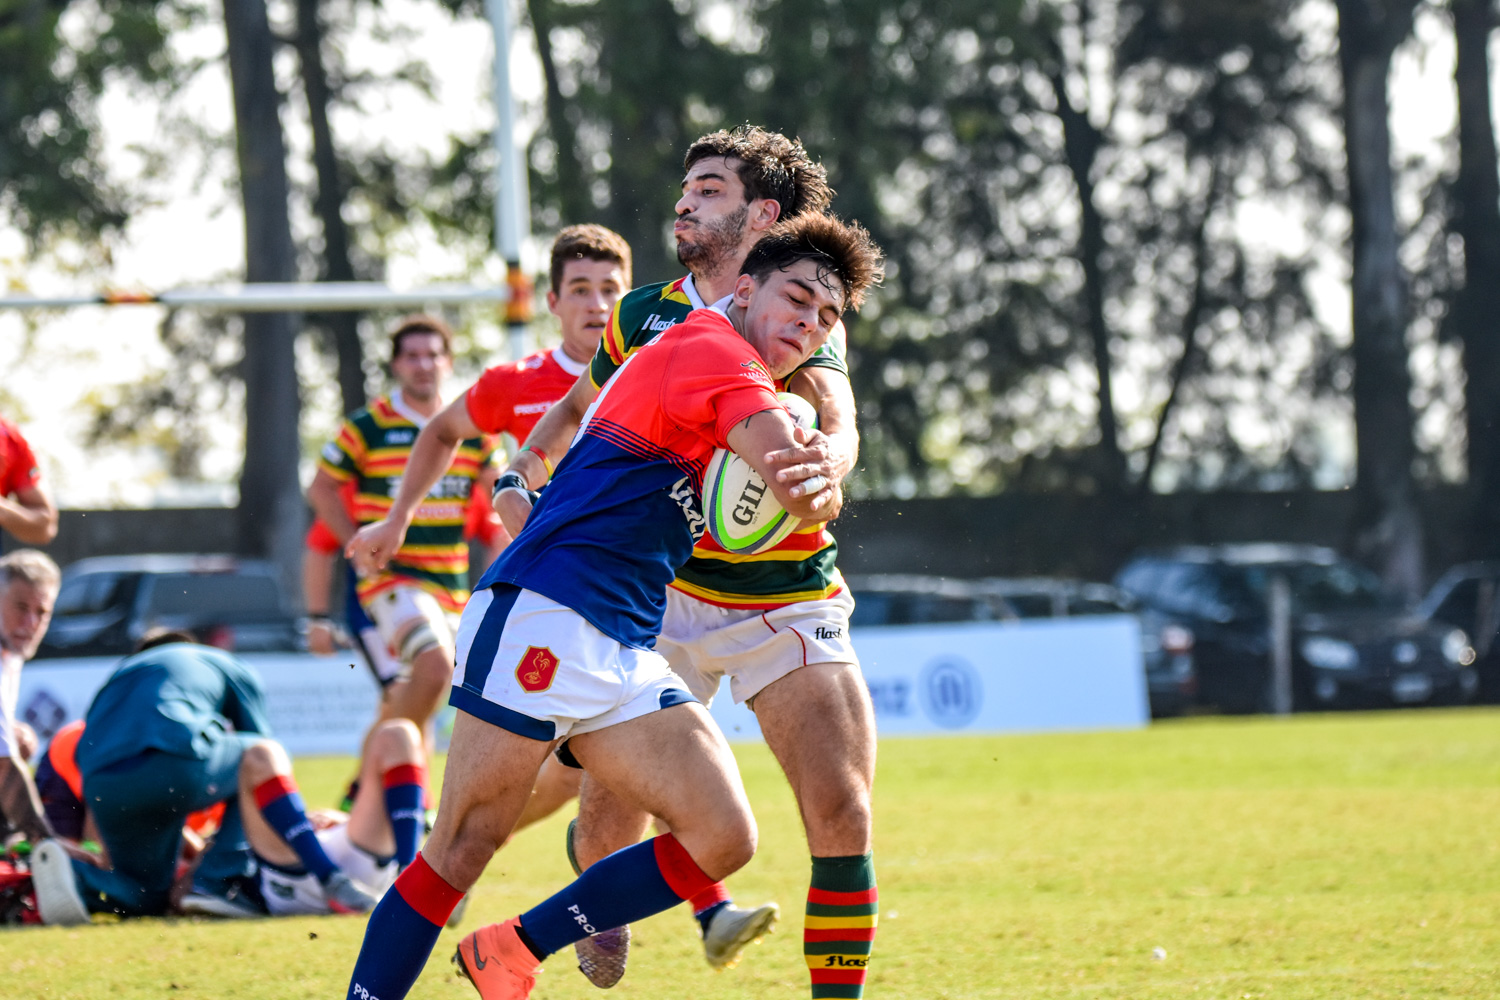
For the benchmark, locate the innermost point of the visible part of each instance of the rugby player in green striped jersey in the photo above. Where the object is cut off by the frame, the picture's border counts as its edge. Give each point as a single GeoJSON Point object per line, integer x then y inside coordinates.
{"type": "Point", "coordinates": [415, 600]}
{"type": "Point", "coordinates": [776, 623]}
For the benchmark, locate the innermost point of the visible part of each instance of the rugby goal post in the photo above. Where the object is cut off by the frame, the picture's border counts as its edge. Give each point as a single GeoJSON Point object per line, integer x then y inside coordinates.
{"type": "Point", "coordinates": [328, 296]}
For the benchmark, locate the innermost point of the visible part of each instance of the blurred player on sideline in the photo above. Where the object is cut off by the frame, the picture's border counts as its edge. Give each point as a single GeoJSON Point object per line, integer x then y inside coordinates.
{"type": "Point", "coordinates": [776, 622]}
{"type": "Point", "coordinates": [415, 600]}
{"type": "Point", "coordinates": [31, 518]}
{"type": "Point", "coordinates": [556, 643]}
{"type": "Point", "coordinates": [28, 590]}
{"type": "Point", "coordinates": [590, 269]}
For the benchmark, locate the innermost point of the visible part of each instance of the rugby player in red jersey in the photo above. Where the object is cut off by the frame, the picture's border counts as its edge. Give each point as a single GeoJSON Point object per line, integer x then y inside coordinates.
{"type": "Point", "coordinates": [31, 517]}
{"type": "Point", "coordinates": [555, 646]}
{"type": "Point", "coordinates": [776, 623]}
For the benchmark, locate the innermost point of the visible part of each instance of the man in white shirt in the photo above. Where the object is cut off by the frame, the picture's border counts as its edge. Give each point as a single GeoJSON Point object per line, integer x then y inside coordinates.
{"type": "Point", "coordinates": [28, 588]}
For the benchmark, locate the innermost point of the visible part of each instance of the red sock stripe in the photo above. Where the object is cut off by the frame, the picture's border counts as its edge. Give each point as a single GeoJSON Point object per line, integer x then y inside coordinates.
{"type": "Point", "coordinates": [712, 896]}
{"type": "Point", "coordinates": [682, 873]}
{"type": "Point", "coordinates": [842, 898]}
{"type": "Point", "coordinates": [845, 977]}
{"type": "Point", "coordinates": [425, 891]}
{"type": "Point", "coordinates": [405, 774]}
{"type": "Point", "coordinates": [840, 934]}
{"type": "Point", "coordinates": [274, 788]}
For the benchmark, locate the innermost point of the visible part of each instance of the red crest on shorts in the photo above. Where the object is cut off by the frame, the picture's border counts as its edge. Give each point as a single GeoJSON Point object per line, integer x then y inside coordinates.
{"type": "Point", "coordinates": [537, 669]}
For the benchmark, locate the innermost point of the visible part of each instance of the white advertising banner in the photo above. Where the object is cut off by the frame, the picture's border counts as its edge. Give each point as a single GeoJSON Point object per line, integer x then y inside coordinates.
{"type": "Point", "coordinates": [317, 704]}
{"type": "Point", "coordinates": [992, 677]}
{"type": "Point", "coordinates": [927, 680]}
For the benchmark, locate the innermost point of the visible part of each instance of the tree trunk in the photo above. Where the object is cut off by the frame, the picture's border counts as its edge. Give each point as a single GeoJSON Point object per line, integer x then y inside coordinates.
{"type": "Point", "coordinates": [1477, 194]}
{"type": "Point", "coordinates": [272, 515]}
{"type": "Point", "coordinates": [1081, 141]}
{"type": "Point", "coordinates": [576, 205]}
{"type": "Point", "coordinates": [1192, 319]}
{"type": "Point", "coordinates": [342, 327]}
{"type": "Point", "coordinates": [1388, 527]}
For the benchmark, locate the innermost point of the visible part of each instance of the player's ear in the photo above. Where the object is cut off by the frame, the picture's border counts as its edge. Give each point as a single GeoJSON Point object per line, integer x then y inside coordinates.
{"type": "Point", "coordinates": [764, 214]}
{"type": "Point", "coordinates": [744, 287]}
{"type": "Point", "coordinates": [552, 302]}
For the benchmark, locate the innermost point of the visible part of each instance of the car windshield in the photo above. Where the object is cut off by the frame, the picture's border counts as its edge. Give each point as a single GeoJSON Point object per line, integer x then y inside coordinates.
{"type": "Point", "coordinates": [215, 596]}
{"type": "Point", "coordinates": [1316, 588]}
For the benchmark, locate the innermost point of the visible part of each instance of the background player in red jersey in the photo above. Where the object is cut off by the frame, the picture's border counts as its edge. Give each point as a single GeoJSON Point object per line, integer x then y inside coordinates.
{"type": "Point", "coordinates": [26, 511]}
{"type": "Point", "coordinates": [590, 270]}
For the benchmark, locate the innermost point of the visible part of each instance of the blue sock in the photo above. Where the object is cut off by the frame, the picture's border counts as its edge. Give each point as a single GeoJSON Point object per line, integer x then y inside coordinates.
{"type": "Point", "coordinates": [281, 805]}
{"type": "Point", "coordinates": [404, 787]}
{"type": "Point", "coordinates": [401, 934]}
{"type": "Point", "coordinates": [629, 885]}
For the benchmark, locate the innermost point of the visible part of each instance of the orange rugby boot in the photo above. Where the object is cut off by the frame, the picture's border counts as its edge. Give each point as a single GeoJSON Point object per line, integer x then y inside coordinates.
{"type": "Point", "coordinates": [495, 960]}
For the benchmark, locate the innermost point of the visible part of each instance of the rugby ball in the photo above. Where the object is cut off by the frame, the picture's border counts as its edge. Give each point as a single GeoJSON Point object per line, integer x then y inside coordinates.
{"type": "Point", "coordinates": [744, 516]}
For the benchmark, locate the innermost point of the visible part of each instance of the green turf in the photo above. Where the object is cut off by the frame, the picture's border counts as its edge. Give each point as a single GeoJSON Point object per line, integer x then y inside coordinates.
{"type": "Point", "coordinates": [1335, 856]}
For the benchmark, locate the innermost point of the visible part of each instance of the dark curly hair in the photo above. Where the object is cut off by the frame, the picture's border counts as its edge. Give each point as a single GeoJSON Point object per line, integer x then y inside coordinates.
{"type": "Point", "coordinates": [841, 250]}
{"type": "Point", "coordinates": [770, 166]}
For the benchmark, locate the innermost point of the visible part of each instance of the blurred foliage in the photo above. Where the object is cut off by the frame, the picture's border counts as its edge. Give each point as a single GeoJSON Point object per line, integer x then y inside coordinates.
{"type": "Point", "coordinates": [943, 126]}
{"type": "Point", "coordinates": [976, 140]}
{"type": "Point", "coordinates": [56, 56]}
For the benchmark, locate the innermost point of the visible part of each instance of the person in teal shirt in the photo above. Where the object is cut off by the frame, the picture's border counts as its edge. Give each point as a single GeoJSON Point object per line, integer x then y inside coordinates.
{"type": "Point", "coordinates": [163, 738]}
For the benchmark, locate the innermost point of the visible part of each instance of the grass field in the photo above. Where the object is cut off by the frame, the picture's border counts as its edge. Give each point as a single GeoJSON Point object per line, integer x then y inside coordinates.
{"type": "Point", "coordinates": [1332, 856]}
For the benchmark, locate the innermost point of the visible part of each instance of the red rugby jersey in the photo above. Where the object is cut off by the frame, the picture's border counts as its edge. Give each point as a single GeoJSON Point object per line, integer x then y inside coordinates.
{"type": "Point", "coordinates": [18, 468]}
{"type": "Point", "coordinates": [511, 398]}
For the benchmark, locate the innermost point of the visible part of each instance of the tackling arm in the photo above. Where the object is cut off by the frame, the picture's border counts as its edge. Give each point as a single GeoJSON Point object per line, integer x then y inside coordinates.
{"type": "Point", "coordinates": [552, 435]}
{"type": "Point", "coordinates": [820, 465]}
{"type": "Point", "coordinates": [31, 517]}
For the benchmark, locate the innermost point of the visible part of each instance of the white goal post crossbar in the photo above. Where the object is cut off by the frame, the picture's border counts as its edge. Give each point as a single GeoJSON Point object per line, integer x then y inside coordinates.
{"type": "Point", "coordinates": [328, 296]}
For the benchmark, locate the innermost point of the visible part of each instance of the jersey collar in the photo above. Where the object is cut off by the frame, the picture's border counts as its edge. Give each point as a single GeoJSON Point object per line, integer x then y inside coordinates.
{"type": "Point", "coordinates": [567, 364]}
{"type": "Point", "coordinates": [402, 407]}
{"type": "Point", "coordinates": [692, 293]}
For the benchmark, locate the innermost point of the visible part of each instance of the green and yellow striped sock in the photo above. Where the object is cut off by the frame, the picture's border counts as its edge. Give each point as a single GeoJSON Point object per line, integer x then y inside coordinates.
{"type": "Point", "coordinates": [842, 908]}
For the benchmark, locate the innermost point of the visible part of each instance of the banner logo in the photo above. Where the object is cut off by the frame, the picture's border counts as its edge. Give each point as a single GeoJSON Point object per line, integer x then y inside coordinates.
{"type": "Point", "coordinates": [952, 693]}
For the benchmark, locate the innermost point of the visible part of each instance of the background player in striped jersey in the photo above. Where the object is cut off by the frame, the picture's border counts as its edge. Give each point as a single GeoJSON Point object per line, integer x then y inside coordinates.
{"type": "Point", "coordinates": [415, 599]}
{"type": "Point", "coordinates": [776, 623]}
{"type": "Point", "coordinates": [590, 270]}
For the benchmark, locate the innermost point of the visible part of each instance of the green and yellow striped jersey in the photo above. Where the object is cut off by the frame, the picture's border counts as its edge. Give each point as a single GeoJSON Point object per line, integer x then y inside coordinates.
{"type": "Point", "coordinates": [801, 568]}
{"type": "Point", "coordinates": [372, 449]}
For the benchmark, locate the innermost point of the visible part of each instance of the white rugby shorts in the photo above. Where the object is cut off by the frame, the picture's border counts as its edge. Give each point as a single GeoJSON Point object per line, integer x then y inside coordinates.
{"type": "Point", "coordinates": [539, 669]}
{"type": "Point", "coordinates": [291, 894]}
{"type": "Point", "coordinates": [704, 642]}
{"type": "Point", "coordinates": [393, 612]}
{"type": "Point", "coordinates": [384, 664]}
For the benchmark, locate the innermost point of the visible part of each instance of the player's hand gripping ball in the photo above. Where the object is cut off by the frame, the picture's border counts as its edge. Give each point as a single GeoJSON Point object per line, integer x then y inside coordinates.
{"type": "Point", "coordinates": [744, 516]}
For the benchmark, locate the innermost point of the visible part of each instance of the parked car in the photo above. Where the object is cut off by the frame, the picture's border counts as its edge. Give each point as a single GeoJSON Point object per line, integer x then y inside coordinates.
{"type": "Point", "coordinates": [1166, 647]}
{"type": "Point", "coordinates": [1468, 597]}
{"type": "Point", "coordinates": [1352, 642]}
{"type": "Point", "coordinates": [107, 603]}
